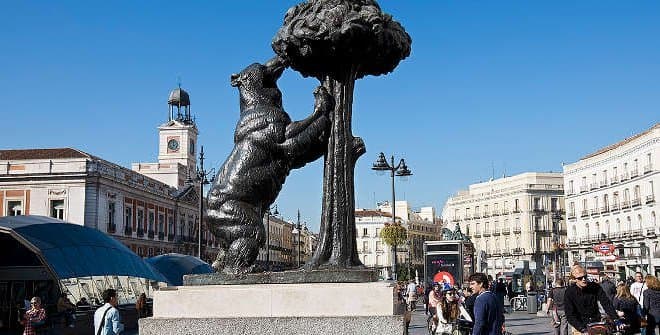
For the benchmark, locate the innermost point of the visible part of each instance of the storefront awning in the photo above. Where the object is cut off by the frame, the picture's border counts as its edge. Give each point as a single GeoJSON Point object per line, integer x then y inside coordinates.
{"type": "Point", "coordinates": [70, 250]}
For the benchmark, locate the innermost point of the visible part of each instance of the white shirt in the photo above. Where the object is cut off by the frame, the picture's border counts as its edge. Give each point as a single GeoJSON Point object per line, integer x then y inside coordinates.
{"type": "Point", "coordinates": [112, 325]}
{"type": "Point", "coordinates": [636, 290]}
{"type": "Point", "coordinates": [412, 288]}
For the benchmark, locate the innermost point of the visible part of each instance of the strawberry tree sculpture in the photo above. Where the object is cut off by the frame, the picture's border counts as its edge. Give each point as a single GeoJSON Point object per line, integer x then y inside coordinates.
{"type": "Point", "coordinates": [338, 42]}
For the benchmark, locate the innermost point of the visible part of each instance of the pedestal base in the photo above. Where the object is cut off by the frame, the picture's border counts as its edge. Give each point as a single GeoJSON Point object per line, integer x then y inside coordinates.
{"type": "Point", "coordinates": [315, 308]}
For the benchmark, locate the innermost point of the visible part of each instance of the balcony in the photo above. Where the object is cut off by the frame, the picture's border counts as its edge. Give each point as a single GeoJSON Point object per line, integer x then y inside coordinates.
{"type": "Point", "coordinates": [516, 230]}
{"type": "Point", "coordinates": [486, 214]}
{"type": "Point", "coordinates": [477, 234]}
{"type": "Point", "coordinates": [604, 209]}
{"type": "Point", "coordinates": [518, 251]}
{"type": "Point", "coordinates": [584, 213]}
{"type": "Point", "coordinates": [647, 169]}
{"type": "Point", "coordinates": [637, 202]}
{"type": "Point", "coordinates": [593, 186]}
{"type": "Point", "coordinates": [650, 199]}
{"type": "Point", "coordinates": [487, 233]}
{"type": "Point", "coordinates": [477, 216]}
{"type": "Point", "coordinates": [539, 211]}
{"type": "Point", "coordinates": [150, 234]}
{"type": "Point", "coordinates": [615, 207]}
{"type": "Point", "coordinates": [455, 219]}
{"type": "Point", "coordinates": [516, 211]}
{"type": "Point", "coordinates": [570, 192]}
{"type": "Point", "coordinates": [496, 212]}
{"type": "Point", "coordinates": [649, 232]}
{"type": "Point", "coordinates": [496, 252]}
{"type": "Point", "coordinates": [603, 183]}
{"type": "Point", "coordinates": [583, 188]}
{"type": "Point", "coordinates": [624, 176]}
{"type": "Point", "coordinates": [161, 235]}
{"type": "Point", "coordinates": [634, 173]}
{"type": "Point", "coordinates": [506, 231]}
{"type": "Point", "coordinates": [140, 232]}
{"type": "Point", "coordinates": [571, 215]}
{"type": "Point", "coordinates": [128, 230]}
{"type": "Point", "coordinates": [625, 204]}
{"type": "Point", "coordinates": [594, 211]}
{"type": "Point", "coordinates": [505, 212]}
{"type": "Point", "coordinates": [365, 250]}
{"type": "Point", "coordinates": [614, 180]}
{"type": "Point", "coordinates": [573, 241]}
{"type": "Point", "coordinates": [496, 232]}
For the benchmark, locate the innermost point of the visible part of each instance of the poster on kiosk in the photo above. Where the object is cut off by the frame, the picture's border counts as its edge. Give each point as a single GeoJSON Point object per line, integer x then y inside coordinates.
{"type": "Point", "coordinates": [448, 262]}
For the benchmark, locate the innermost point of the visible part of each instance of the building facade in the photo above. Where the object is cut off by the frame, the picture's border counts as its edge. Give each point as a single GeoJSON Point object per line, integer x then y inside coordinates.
{"type": "Point", "coordinates": [610, 197]}
{"type": "Point", "coordinates": [512, 219]}
{"type": "Point", "coordinates": [151, 213]}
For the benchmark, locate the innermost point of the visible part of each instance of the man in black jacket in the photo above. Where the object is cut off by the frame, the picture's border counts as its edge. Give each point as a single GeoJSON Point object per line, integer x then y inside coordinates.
{"type": "Point", "coordinates": [581, 301]}
{"type": "Point", "coordinates": [608, 286]}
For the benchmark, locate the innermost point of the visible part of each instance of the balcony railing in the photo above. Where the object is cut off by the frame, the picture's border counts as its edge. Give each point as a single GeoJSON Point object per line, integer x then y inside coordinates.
{"type": "Point", "coordinates": [539, 211]}
{"type": "Point", "coordinates": [604, 209]}
{"type": "Point", "coordinates": [595, 211]}
{"type": "Point", "coordinates": [487, 233]}
{"type": "Point", "coordinates": [636, 202]}
{"type": "Point", "coordinates": [650, 199]}
{"type": "Point", "coordinates": [486, 214]}
{"type": "Point", "coordinates": [647, 169]}
{"type": "Point", "coordinates": [518, 251]}
{"type": "Point", "coordinates": [634, 173]}
{"type": "Point", "coordinates": [583, 188]}
{"type": "Point", "coordinates": [496, 232]}
{"type": "Point", "coordinates": [506, 231]}
{"type": "Point", "coordinates": [496, 212]}
{"type": "Point", "coordinates": [625, 204]}
{"type": "Point", "coordinates": [516, 210]}
{"type": "Point", "coordinates": [624, 176]}
{"type": "Point", "coordinates": [616, 207]}
{"type": "Point", "coordinates": [593, 186]}
{"type": "Point", "coordinates": [584, 213]}
{"type": "Point", "coordinates": [477, 234]}
{"type": "Point", "coordinates": [505, 212]}
{"type": "Point", "coordinates": [649, 232]}
{"type": "Point", "coordinates": [516, 230]}
{"type": "Point", "coordinates": [477, 216]}
{"type": "Point", "coordinates": [570, 191]}
{"type": "Point", "coordinates": [614, 180]}
{"type": "Point", "coordinates": [571, 215]}
{"type": "Point", "coordinates": [603, 183]}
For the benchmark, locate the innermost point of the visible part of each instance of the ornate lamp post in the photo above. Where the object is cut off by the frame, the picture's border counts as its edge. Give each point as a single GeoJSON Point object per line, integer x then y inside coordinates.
{"type": "Point", "coordinates": [556, 221]}
{"type": "Point", "coordinates": [268, 214]}
{"type": "Point", "coordinates": [201, 178]}
{"type": "Point", "coordinates": [400, 170]}
{"type": "Point", "coordinates": [297, 230]}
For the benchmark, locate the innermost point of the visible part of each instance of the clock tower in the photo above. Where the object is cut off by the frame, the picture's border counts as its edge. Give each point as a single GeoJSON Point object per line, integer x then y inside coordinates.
{"type": "Point", "coordinates": [177, 143]}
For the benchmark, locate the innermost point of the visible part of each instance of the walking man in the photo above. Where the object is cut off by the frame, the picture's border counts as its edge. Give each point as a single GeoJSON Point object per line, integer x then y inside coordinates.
{"type": "Point", "coordinates": [488, 312]}
{"type": "Point", "coordinates": [106, 317]}
{"type": "Point", "coordinates": [556, 307]}
{"type": "Point", "coordinates": [581, 301]}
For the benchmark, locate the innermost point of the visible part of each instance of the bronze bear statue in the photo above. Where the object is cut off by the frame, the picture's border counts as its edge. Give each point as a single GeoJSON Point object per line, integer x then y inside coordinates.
{"type": "Point", "coordinates": [267, 146]}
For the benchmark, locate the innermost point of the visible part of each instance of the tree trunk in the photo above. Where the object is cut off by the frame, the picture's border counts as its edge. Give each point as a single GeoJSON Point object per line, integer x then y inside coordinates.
{"type": "Point", "coordinates": [337, 245]}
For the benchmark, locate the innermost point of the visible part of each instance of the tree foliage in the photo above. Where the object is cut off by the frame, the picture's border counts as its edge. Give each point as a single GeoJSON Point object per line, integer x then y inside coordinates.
{"type": "Point", "coordinates": [330, 37]}
{"type": "Point", "coordinates": [394, 234]}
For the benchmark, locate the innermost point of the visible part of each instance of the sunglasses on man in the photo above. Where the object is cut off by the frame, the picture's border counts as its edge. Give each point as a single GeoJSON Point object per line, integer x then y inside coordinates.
{"type": "Point", "coordinates": [581, 278]}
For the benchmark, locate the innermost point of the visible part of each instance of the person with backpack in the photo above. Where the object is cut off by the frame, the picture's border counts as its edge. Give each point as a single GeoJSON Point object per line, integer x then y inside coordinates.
{"type": "Point", "coordinates": [106, 317]}
{"type": "Point", "coordinates": [556, 307]}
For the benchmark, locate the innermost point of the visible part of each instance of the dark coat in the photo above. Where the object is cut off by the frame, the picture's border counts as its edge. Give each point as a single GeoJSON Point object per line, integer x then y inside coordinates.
{"type": "Point", "coordinates": [488, 315]}
{"type": "Point", "coordinates": [581, 305]}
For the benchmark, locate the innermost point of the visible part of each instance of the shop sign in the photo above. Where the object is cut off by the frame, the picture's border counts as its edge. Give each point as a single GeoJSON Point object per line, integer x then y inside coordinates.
{"type": "Point", "coordinates": [604, 248]}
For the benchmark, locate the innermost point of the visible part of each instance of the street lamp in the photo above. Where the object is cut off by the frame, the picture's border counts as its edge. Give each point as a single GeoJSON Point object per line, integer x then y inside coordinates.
{"type": "Point", "coordinates": [268, 214]}
{"type": "Point", "coordinates": [201, 177]}
{"type": "Point", "coordinates": [400, 170]}
{"type": "Point", "coordinates": [556, 221]}
{"type": "Point", "coordinates": [297, 230]}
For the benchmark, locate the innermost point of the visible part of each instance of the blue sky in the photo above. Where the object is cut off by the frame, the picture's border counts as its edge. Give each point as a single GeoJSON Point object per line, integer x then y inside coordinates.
{"type": "Point", "coordinates": [509, 86]}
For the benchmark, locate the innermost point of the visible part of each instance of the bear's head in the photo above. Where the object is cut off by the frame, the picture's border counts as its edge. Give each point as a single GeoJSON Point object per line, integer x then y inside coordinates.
{"type": "Point", "coordinates": [258, 82]}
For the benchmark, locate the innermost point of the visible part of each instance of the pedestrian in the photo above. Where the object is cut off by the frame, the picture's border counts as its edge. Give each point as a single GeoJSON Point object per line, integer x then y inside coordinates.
{"type": "Point", "coordinates": [106, 318]}
{"type": "Point", "coordinates": [470, 298]}
{"type": "Point", "coordinates": [608, 286]}
{"type": "Point", "coordinates": [651, 308]}
{"type": "Point", "coordinates": [556, 307]}
{"type": "Point", "coordinates": [500, 292]}
{"type": "Point", "coordinates": [488, 313]}
{"type": "Point", "coordinates": [434, 299]}
{"type": "Point", "coordinates": [627, 307]}
{"type": "Point", "coordinates": [141, 306]}
{"type": "Point", "coordinates": [411, 295]}
{"type": "Point", "coordinates": [449, 310]}
{"type": "Point", "coordinates": [581, 301]}
{"type": "Point", "coordinates": [66, 308]}
{"type": "Point", "coordinates": [34, 318]}
{"type": "Point", "coordinates": [637, 287]}
{"type": "Point", "coordinates": [427, 290]}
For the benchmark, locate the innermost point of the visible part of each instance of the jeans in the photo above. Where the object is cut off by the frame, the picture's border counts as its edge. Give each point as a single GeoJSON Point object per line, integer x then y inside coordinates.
{"type": "Point", "coordinates": [563, 323]}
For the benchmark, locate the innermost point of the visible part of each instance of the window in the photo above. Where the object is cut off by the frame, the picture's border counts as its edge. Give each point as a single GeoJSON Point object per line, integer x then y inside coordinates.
{"type": "Point", "coordinates": [57, 209]}
{"type": "Point", "coordinates": [365, 246]}
{"type": "Point", "coordinates": [364, 232]}
{"type": "Point", "coordinates": [170, 226]}
{"type": "Point", "coordinates": [537, 204]}
{"type": "Point", "coordinates": [161, 223]}
{"type": "Point", "coordinates": [570, 187]}
{"type": "Point", "coordinates": [14, 207]}
{"type": "Point", "coordinates": [150, 222]}
{"type": "Point", "coordinates": [128, 218]}
{"type": "Point", "coordinates": [378, 260]}
{"type": "Point", "coordinates": [571, 209]}
{"type": "Point", "coordinates": [112, 225]}
{"type": "Point", "coordinates": [637, 192]}
{"type": "Point", "coordinates": [377, 232]}
{"type": "Point", "coordinates": [140, 220]}
{"type": "Point", "coordinates": [379, 246]}
{"type": "Point", "coordinates": [554, 204]}
{"type": "Point", "coordinates": [516, 205]}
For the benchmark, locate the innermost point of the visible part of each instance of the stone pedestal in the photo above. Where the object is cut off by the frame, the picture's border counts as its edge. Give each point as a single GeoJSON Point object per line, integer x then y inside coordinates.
{"type": "Point", "coordinates": [311, 308]}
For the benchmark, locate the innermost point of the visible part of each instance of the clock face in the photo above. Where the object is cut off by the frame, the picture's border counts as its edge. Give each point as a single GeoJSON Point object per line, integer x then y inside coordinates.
{"type": "Point", "coordinates": [173, 145]}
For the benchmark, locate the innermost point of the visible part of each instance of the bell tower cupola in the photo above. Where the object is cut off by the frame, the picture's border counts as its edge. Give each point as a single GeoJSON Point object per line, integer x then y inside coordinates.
{"type": "Point", "coordinates": [178, 136]}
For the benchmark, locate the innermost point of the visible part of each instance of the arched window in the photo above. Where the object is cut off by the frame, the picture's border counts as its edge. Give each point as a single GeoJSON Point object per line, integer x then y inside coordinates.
{"type": "Point", "coordinates": [628, 223]}
{"type": "Point", "coordinates": [607, 227]}
{"type": "Point", "coordinates": [618, 226]}
{"type": "Point", "coordinates": [586, 230]}
{"type": "Point", "coordinates": [597, 228]}
{"type": "Point", "coordinates": [573, 231]}
{"type": "Point", "coordinates": [639, 221]}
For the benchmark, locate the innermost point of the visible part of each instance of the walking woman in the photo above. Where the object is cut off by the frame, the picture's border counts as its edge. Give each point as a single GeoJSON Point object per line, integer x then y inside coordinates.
{"type": "Point", "coordinates": [449, 310]}
{"type": "Point", "coordinates": [652, 304]}
{"type": "Point", "coordinates": [34, 318]}
{"type": "Point", "coordinates": [626, 307]}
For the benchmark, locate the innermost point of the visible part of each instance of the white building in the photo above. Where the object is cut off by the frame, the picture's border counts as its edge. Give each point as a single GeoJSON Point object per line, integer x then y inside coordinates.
{"type": "Point", "coordinates": [511, 219]}
{"type": "Point", "coordinates": [610, 197]}
{"type": "Point", "coordinates": [374, 253]}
